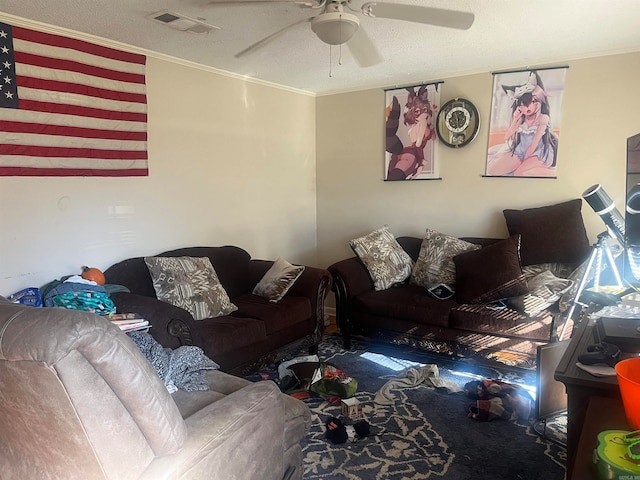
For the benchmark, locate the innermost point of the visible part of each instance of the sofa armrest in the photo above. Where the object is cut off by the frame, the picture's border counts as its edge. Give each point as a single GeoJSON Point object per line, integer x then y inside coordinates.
{"type": "Point", "coordinates": [239, 436]}
{"type": "Point", "coordinates": [350, 278]}
{"type": "Point", "coordinates": [171, 326]}
{"type": "Point", "coordinates": [314, 284]}
{"type": "Point", "coordinates": [352, 275]}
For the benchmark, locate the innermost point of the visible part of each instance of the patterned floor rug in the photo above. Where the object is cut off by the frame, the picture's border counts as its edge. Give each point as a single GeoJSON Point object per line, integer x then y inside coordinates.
{"type": "Point", "coordinates": [426, 433]}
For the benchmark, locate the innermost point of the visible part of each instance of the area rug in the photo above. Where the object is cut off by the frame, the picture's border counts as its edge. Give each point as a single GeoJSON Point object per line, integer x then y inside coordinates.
{"type": "Point", "coordinates": [426, 433]}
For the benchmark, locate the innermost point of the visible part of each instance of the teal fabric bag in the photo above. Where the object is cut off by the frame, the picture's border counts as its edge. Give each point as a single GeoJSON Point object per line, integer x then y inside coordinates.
{"type": "Point", "coordinates": [88, 301]}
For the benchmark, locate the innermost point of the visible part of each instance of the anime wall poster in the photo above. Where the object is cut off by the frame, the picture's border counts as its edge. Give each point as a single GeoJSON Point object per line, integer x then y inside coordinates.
{"type": "Point", "coordinates": [524, 128]}
{"type": "Point", "coordinates": [410, 117]}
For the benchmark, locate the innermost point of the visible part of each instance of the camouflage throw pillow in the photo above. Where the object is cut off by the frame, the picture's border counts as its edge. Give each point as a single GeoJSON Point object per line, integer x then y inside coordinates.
{"type": "Point", "coordinates": [385, 259]}
{"type": "Point", "coordinates": [190, 283]}
{"type": "Point", "coordinates": [435, 261]}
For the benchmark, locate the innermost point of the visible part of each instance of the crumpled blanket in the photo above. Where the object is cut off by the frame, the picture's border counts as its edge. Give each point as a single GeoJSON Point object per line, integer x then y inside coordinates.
{"type": "Point", "coordinates": [412, 377]}
{"type": "Point", "coordinates": [76, 293]}
{"type": "Point", "coordinates": [495, 399]}
{"type": "Point", "coordinates": [181, 369]}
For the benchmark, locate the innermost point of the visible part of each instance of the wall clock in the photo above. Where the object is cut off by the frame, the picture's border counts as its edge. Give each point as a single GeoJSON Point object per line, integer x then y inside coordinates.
{"type": "Point", "coordinates": [458, 123]}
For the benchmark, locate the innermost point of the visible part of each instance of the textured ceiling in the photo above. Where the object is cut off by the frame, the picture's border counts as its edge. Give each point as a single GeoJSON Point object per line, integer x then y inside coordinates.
{"type": "Point", "coordinates": [506, 34]}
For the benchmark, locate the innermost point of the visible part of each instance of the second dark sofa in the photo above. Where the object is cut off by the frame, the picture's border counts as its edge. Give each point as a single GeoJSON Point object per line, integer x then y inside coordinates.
{"type": "Point", "coordinates": [259, 331]}
{"type": "Point", "coordinates": [543, 238]}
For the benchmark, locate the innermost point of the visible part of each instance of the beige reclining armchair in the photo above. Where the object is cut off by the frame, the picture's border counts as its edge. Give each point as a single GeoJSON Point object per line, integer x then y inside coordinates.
{"type": "Point", "coordinates": [78, 400]}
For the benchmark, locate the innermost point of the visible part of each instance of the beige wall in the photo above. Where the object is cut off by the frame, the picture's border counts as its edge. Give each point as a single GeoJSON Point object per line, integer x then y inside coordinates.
{"type": "Point", "coordinates": [231, 162]}
{"type": "Point", "coordinates": [601, 109]}
{"type": "Point", "coordinates": [279, 173]}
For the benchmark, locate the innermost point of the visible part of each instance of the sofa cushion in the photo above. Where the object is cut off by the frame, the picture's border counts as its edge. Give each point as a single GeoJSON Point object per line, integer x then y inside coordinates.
{"type": "Point", "coordinates": [435, 261]}
{"type": "Point", "coordinates": [385, 259]}
{"type": "Point", "coordinates": [190, 283]}
{"type": "Point", "coordinates": [545, 289]}
{"type": "Point", "coordinates": [486, 319]}
{"type": "Point", "coordinates": [553, 233]}
{"type": "Point", "coordinates": [276, 316]}
{"type": "Point", "coordinates": [405, 302]}
{"type": "Point", "coordinates": [229, 333]}
{"type": "Point", "coordinates": [491, 273]}
{"type": "Point", "coordinates": [278, 280]}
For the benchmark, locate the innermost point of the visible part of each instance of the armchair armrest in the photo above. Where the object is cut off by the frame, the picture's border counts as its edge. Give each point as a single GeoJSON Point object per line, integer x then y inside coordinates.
{"type": "Point", "coordinates": [239, 436]}
{"type": "Point", "coordinates": [171, 326]}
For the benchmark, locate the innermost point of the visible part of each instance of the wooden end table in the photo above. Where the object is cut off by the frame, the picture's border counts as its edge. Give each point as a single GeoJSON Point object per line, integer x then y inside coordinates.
{"type": "Point", "coordinates": [581, 388]}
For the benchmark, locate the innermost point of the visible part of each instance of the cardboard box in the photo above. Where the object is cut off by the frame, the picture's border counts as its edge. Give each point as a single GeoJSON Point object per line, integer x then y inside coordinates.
{"type": "Point", "coordinates": [351, 408]}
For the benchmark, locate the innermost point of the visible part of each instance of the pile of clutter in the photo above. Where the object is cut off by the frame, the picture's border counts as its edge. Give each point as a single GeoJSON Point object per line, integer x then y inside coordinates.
{"type": "Point", "coordinates": [303, 376]}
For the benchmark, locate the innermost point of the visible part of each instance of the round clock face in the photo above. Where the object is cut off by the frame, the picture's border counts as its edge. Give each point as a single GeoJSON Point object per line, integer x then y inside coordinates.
{"type": "Point", "coordinates": [458, 123]}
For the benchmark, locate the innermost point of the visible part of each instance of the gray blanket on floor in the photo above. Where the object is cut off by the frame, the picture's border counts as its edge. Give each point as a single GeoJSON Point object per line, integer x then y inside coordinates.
{"type": "Point", "coordinates": [428, 375]}
{"type": "Point", "coordinates": [184, 368]}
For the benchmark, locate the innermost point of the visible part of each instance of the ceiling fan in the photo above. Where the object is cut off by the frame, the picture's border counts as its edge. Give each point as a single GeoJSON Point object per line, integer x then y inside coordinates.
{"type": "Point", "coordinates": [336, 27]}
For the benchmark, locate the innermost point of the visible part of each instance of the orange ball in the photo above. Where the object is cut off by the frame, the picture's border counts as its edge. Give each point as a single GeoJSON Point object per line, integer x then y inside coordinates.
{"type": "Point", "coordinates": [93, 274]}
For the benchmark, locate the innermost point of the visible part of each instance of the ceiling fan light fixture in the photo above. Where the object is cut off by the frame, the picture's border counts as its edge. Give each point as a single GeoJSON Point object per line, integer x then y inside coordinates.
{"type": "Point", "coordinates": [335, 28]}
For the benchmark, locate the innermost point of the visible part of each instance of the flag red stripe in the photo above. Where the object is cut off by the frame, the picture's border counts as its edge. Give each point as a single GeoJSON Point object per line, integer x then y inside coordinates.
{"type": "Point", "coordinates": [66, 172]}
{"type": "Point", "coordinates": [47, 129]}
{"type": "Point", "coordinates": [67, 87]}
{"type": "Point", "coordinates": [75, 44]}
{"type": "Point", "coordinates": [81, 111]}
{"type": "Point", "coordinates": [70, 152]}
{"type": "Point", "coordinates": [73, 66]}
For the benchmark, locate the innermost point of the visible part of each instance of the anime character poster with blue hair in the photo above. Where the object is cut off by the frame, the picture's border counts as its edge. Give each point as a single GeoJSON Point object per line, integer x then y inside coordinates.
{"type": "Point", "coordinates": [410, 119]}
{"type": "Point", "coordinates": [525, 123]}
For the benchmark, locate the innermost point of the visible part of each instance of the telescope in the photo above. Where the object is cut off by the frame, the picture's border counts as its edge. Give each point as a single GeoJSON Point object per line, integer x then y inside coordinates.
{"type": "Point", "coordinates": [602, 204]}
{"type": "Point", "coordinates": [633, 232]}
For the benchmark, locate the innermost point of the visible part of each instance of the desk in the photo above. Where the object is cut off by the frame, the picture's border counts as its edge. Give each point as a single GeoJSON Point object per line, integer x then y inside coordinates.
{"type": "Point", "coordinates": [581, 387]}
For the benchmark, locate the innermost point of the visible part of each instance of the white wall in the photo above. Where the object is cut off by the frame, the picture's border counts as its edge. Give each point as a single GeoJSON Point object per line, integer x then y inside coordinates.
{"type": "Point", "coordinates": [601, 109]}
{"type": "Point", "coordinates": [231, 162]}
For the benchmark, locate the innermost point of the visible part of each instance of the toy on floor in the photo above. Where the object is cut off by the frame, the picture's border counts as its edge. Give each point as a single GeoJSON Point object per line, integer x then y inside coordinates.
{"type": "Point", "coordinates": [337, 432]}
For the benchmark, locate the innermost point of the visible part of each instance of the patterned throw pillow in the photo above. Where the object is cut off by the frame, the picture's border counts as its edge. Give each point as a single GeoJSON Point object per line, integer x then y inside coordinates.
{"type": "Point", "coordinates": [190, 283]}
{"type": "Point", "coordinates": [278, 280]}
{"type": "Point", "coordinates": [545, 289]}
{"type": "Point", "coordinates": [435, 261]}
{"type": "Point", "coordinates": [383, 256]}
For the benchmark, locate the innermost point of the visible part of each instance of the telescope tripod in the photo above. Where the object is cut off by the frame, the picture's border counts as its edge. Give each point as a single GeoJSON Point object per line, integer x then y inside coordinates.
{"type": "Point", "coordinates": [600, 250]}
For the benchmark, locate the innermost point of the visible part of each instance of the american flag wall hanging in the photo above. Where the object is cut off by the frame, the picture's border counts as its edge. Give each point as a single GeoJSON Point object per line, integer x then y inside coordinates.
{"type": "Point", "coordinates": [70, 107]}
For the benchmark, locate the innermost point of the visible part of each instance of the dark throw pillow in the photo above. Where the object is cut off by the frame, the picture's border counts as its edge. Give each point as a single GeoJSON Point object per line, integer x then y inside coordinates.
{"type": "Point", "coordinates": [491, 273]}
{"type": "Point", "coordinates": [554, 233]}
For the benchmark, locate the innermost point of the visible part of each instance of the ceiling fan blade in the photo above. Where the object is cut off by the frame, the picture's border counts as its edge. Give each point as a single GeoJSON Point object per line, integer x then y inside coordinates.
{"type": "Point", "coordinates": [310, 4]}
{"type": "Point", "coordinates": [416, 13]}
{"type": "Point", "coordinates": [363, 49]}
{"type": "Point", "coordinates": [266, 40]}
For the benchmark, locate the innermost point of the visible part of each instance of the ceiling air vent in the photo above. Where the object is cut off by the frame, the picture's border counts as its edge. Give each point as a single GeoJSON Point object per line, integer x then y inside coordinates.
{"type": "Point", "coordinates": [180, 22]}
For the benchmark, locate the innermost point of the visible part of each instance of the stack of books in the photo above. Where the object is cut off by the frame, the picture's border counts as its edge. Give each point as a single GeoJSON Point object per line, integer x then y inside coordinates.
{"type": "Point", "coordinates": [129, 322]}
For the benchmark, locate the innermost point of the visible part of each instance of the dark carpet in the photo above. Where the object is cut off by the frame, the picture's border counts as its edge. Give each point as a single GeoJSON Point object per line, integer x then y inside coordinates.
{"type": "Point", "coordinates": [426, 433]}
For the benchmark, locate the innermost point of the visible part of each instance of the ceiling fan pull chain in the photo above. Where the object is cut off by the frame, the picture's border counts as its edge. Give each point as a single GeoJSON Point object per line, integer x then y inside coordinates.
{"type": "Point", "coordinates": [340, 45]}
{"type": "Point", "coordinates": [330, 65]}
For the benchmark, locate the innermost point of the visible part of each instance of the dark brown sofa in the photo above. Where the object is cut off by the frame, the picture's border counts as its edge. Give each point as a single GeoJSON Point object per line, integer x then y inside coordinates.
{"type": "Point", "coordinates": [259, 331]}
{"type": "Point", "coordinates": [406, 314]}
